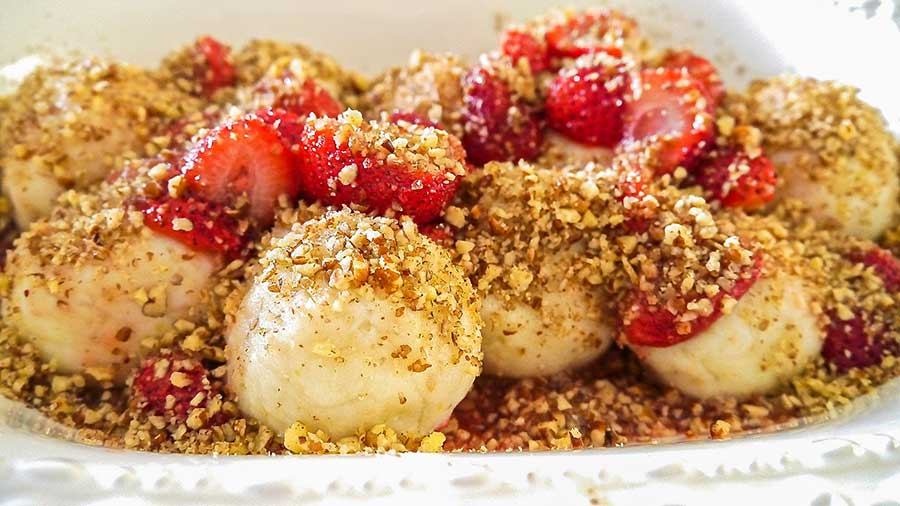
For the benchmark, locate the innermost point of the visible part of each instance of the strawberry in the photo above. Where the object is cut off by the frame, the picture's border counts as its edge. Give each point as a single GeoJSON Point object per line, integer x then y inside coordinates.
{"type": "Point", "coordinates": [439, 232]}
{"type": "Point", "coordinates": [242, 157]}
{"type": "Point", "coordinates": [855, 342]}
{"type": "Point", "coordinates": [383, 166]}
{"type": "Point", "coordinates": [412, 117]}
{"type": "Point", "coordinates": [498, 126]}
{"type": "Point", "coordinates": [586, 103]}
{"type": "Point", "coordinates": [288, 125]}
{"type": "Point", "coordinates": [301, 98]}
{"type": "Point", "coordinates": [701, 70]}
{"type": "Point", "coordinates": [667, 114]}
{"type": "Point", "coordinates": [589, 32]}
{"type": "Point", "coordinates": [168, 386]}
{"type": "Point", "coordinates": [649, 324]}
{"type": "Point", "coordinates": [213, 68]}
{"type": "Point", "coordinates": [883, 263]}
{"type": "Point", "coordinates": [518, 44]}
{"type": "Point", "coordinates": [209, 229]}
{"type": "Point", "coordinates": [737, 180]}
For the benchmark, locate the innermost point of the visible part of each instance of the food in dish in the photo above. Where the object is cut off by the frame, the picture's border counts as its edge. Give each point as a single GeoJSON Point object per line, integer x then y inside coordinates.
{"type": "Point", "coordinates": [574, 240]}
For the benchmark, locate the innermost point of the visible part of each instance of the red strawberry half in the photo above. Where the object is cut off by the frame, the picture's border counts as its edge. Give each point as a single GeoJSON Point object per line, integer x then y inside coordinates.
{"type": "Point", "coordinates": [586, 103]}
{"type": "Point", "coordinates": [883, 263]}
{"type": "Point", "coordinates": [396, 167]}
{"type": "Point", "coordinates": [202, 226]}
{"type": "Point", "coordinates": [667, 115]}
{"type": "Point", "coordinates": [242, 157]}
{"type": "Point", "coordinates": [650, 324]}
{"type": "Point", "coordinates": [213, 69]}
{"type": "Point", "coordinates": [701, 70]}
{"type": "Point", "coordinates": [737, 180]}
{"type": "Point", "coordinates": [168, 386]}
{"type": "Point", "coordinates": [299, 97]}
{"type": "Point", "coordinates": [518, 43]}
{"type": "Point", "coordinates": [855, 342]}
{"type": "Point", "coordinates": [498, 126]}
{"type": "Point", "coordinates": [589, 32]}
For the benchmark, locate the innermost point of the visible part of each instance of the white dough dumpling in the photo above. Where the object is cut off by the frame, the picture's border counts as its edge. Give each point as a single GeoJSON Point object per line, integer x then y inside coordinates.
{"type": "Point", "coordinates": [351, 322]}
{"type": "Point", "coordinates": [832, 151]}
{"type": "Point", "coordinates": [71, 123]}
{"type": "Point", "coordinates": [87, 289]}
{"type": "Point", "coordinates": [767, 338]}
{"type": "Point", "coordinates": [525, 243]}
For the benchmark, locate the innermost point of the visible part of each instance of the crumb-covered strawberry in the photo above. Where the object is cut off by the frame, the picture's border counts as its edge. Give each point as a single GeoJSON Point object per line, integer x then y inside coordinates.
{"type": "Point", "coordinates": [296, 94]}
{"type": "Point", "coordinates": [736, 179]}
{"type": "Point", "coordinates": [518, 43]}
{"type": "Point", "coordinates": [667, 123]}
{"type": "Point", "coordinates": [202, 226]}
{"type": "Point", "coordinates": [501, 120]}
{"type": "Point", "coordinates": [172, 385]}
{"type": "Point", "coordinates": [244, 157]}
{"type": "Point", "coordinates": [586, 102]}
{"type": "Point", "coordinates": [412, 117]}
{"type": "Point", "coordinates": [856, 342]}
{"type": "Point", "coordinates": [202, 68]}
{"type": "Point", "coordinates": [701, 69]}
{"type": "Point", "coordinates": [578, 33]}
{"type": "Point", "coordinates": [884, 264]}
{"type": "Point", "coordinates": [651, 323]}
{"type": "Point", "coordinates": [387, 167]}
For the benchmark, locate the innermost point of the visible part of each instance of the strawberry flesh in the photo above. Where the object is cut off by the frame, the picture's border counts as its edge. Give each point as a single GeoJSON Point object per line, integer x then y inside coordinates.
{"type": "Point", "coordinates": [667, 114]}
{"type": "Point", "coordinates": [701, 70]}
{"type": "Point", "coordinates": [518, 44]}
{"type": "Point", "coordinates": [853, 343]}
{"type": "Point", "coordinates": [492, 131]}
{"type": "Point", "coordinates": [214, 70]}
{"type": "Point", "coordinates": [883, 263]}
{"type": "Point", "coordinates": [242, 157]}
{"type": "Point", "coordinates": [652, 325]}
{"type": "Point", "coordinates": [589, 32]}
{"type": "Point", "coordinates": [154, 391]}
{"type": "Point", "coordinates": [360, 170]}
{"type": "Point", "coordinates": [210, 229]}
{"type": "Point", "coordinates": [737, 180]}
{"type": "Point", "coordinates": [586, 104]}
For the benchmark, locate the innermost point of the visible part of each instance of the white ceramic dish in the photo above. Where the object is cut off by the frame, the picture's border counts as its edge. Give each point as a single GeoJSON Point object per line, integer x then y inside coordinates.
{"type": "Point", "coordinates": [853, 459]}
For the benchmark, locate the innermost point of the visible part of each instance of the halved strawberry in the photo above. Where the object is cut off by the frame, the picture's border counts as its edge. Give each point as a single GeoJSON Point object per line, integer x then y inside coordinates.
{"type": "Point", "coordinates": [701, 70]}
{"type": "Point", "coordinates": [667, 115]}
{"type": "Point", "coordinates": [171, 385]}
{"type": "Point", "coordinates": [412, 117]}
{"type": "Point", "coordinates": [397, 167]}
{"type": "Point", "coordinates": [214, 69]}
{"type": "Point", "coordinates": [518, 44]}
{"type": "Point", "coordinates": [498, 127]}
{"type": "Point", "coordinates": [737, 180]}
{"type": "Point", "coordinates": [883, 263]}
{"type": "Point", "coordinates": [856, 342]}
{"type": "Point", "coordinates": [303, 98]}
{"type": "Point", "coordinates": [586, 103]}
{"type": "Point", "coordinates": [288, 125]}
{"type": "Point", "coordinates": [589, 32]}
{"type": "Point", "coordinates": [242, 157]}
{"type": "Point", "coordinates": [202, 226]}
{"type": "Point", "coordinates": [650, 324]}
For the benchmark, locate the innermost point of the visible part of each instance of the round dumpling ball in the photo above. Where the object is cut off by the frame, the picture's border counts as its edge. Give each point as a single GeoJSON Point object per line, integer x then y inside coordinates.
{"type": "Point", "coordinates": [73, 122]}
{"type": "Point", "coordinates": [87, 290]}
{"type": "Point", "coordinates": [525, 242]}
{"type": "Point", "coordinates": [768, 337]}
{"type": "Point", "coordinates": [354, 321]}
{"type": "Point", "coordinates": [832, 151]}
